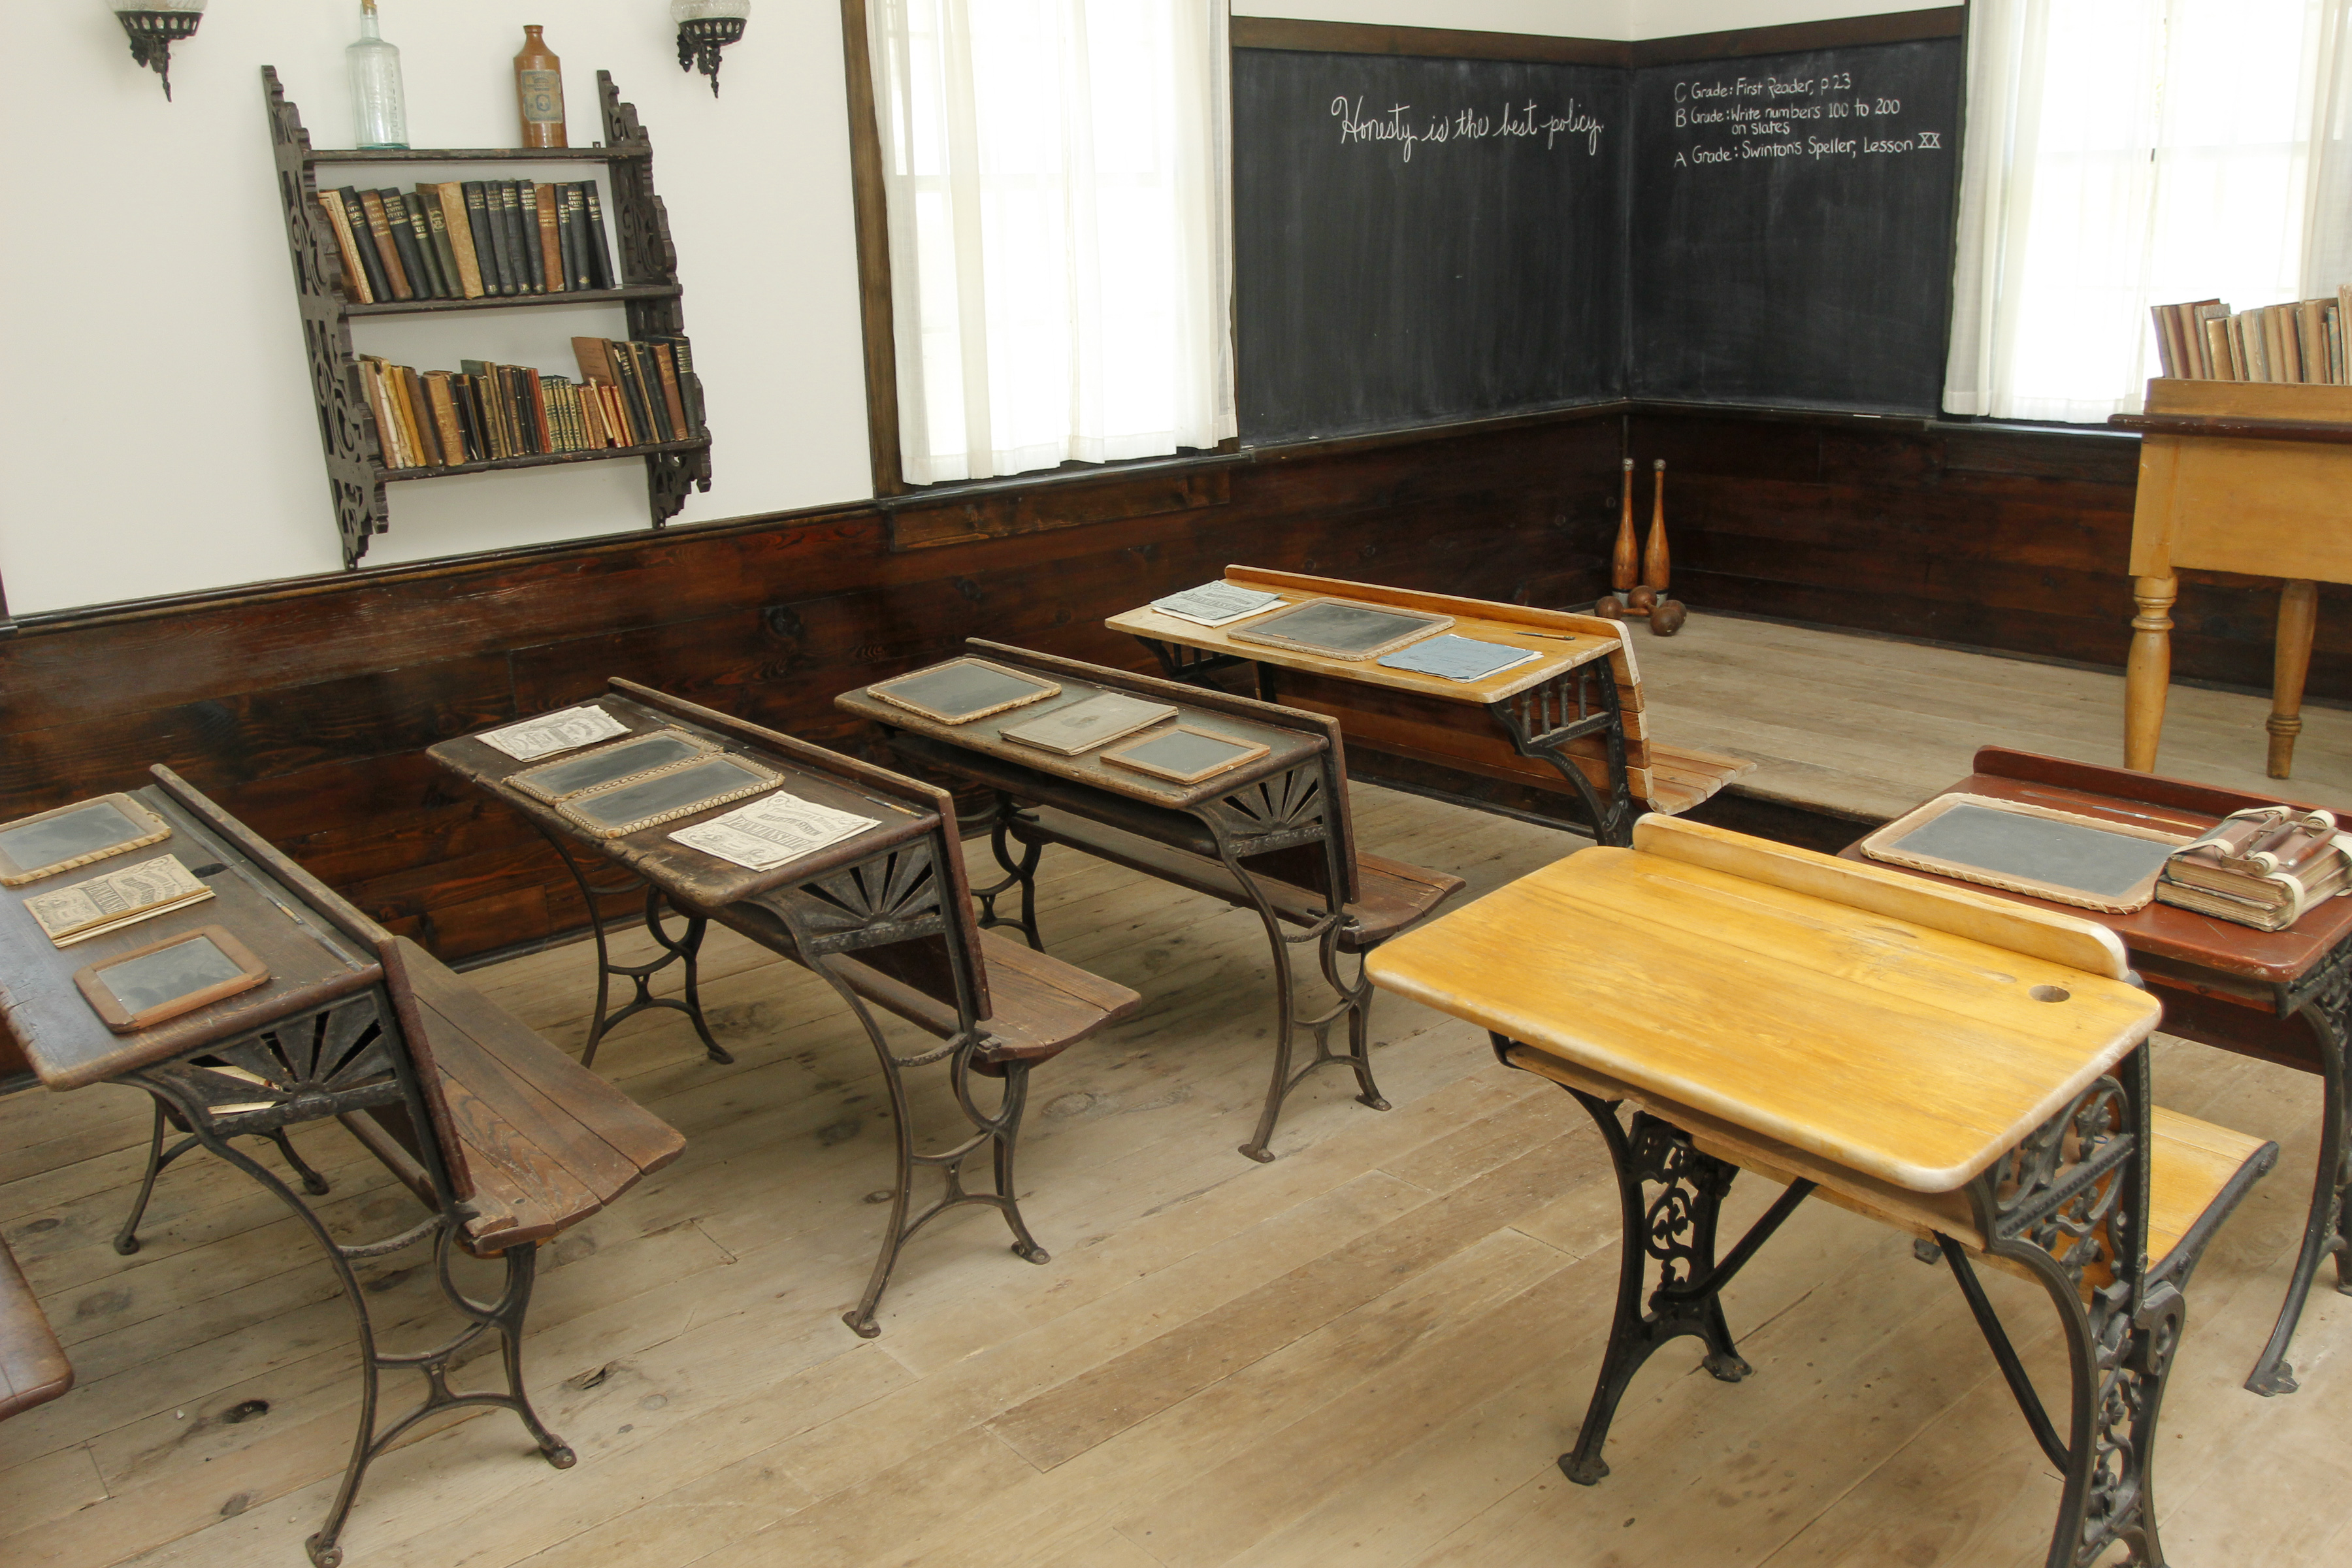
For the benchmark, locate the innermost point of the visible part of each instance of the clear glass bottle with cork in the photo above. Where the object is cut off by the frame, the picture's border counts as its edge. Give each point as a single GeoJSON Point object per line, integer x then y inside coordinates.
{"type": "Point", "coordinates": [539, 91]}
{"type": "Point", "coordinates": [379, 115]}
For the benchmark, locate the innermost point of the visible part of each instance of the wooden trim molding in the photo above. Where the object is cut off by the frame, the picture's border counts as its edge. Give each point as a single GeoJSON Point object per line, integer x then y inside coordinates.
{"type": "Point", "coordinates": [1450, 43]}
{"type": "Point", "coordinates": [1443, 43]}
{"type": "Point", "coordinates": [1888, 28]}
{"type": "Point", "coordinates": [871, 208]}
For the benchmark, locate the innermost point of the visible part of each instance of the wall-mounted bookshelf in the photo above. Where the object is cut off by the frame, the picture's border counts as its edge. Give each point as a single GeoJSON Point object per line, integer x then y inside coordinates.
{"type": "Point", "coordinates": [646, 287]}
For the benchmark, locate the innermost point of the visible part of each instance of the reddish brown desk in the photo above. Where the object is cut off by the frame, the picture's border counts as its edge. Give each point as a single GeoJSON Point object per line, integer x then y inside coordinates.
{"type": "Point", "coordinates": [2283, 996]}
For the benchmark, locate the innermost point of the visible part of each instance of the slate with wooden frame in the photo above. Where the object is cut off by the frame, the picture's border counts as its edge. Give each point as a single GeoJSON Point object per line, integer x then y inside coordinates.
{"type": "Point", "coordinates": [1186, 753]}
{"type": "Point", "coordinates": [962, 690]}
{"type": "Point", "coordinates": [618, 810]}
{"type": "Point", "coordinates": [623, 761]}
{"type": "Point", "coordinates": [136, 990]}
{"type": "Point", "coordinates": [1342, 629]}
{"type": "Point", "coordinates": [49, 842]}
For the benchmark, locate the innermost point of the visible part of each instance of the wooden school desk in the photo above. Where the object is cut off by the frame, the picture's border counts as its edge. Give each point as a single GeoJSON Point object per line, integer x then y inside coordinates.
{"type": "Point", "coordinates": [2236, 477]}
{"type": "Point", "coordinates": [1274, 835]}
{"type": "Point", "coordinates": [504, 1141]}
{"type": "Point", "coordinates": [1573, 718]}
{"type": "Point", "coordinates": [883, 917]}
{"type": "Point", "coordinates": [2283, 996]}
{"type": "Point", "coordinates": [1970, 1071]}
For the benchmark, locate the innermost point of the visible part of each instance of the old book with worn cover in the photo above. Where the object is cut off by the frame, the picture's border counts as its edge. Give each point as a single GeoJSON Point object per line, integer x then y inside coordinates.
{"type": "Point", "coordinates": [2262, 868]}
{"type": "Point", "coordinates": [477, 223]}
{"type": "Point", "coordinates": [387, 252]}
{"type": "Point", "coordinates": [355, 278]}
{"type": "Point", "coordinates": [600, 251]}
{"type": "Point", "coordinates": [450, 197]}
{"type": "Point", "coordinates": [551, 242]}
{"type": "Point", "coordinates": [403, 242]}
{"type": "Point", "coordinates": [117, 898]}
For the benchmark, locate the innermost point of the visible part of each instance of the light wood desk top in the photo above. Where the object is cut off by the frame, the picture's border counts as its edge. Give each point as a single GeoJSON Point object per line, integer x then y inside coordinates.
{"type": "Point", "coordinates": [1789, 993]}
{"type": "Point", "coordinates": [1564, 640]}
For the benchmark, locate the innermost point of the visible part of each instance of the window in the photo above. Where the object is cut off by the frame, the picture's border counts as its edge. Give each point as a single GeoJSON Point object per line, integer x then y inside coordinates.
{"type": "Point", "coordinates": [1054, 176]}
{"type": "Point", "coordinates": [2124, 153]}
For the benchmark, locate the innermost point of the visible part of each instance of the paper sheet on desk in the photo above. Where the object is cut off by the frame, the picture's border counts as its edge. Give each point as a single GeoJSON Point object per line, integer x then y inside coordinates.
{"type": "Point", "coordinates": [1458, 658]}
{"type": "Point", "coordinates": [771, 830]}
{"type": "Point", "coordinates": [552, 732]}
{"type": "Point", "coordinates": [1216, 603]}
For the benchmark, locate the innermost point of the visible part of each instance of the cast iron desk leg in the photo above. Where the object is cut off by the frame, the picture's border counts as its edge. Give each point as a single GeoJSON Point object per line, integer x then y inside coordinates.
{"type": "Point", "coordinates": [686, 947]}
{"type": "Point", "coordinates": [320, 1065]}
{"type": "Point", "coordinates": [1354, 1004]}
{"type": "Point", "coordinates": [2328, 1015]}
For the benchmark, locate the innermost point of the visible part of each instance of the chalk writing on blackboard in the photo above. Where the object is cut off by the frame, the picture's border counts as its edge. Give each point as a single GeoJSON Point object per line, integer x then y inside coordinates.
{"type": "Point", "coordinates": [1400, 124]}
{"type": "Point", "coordinates": [1740, 118]}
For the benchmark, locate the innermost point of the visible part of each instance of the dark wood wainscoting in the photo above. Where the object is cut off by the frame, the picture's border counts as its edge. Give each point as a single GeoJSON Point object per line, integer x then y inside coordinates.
{"type": "Point", "coordinates": [306, 708]}
{"type": "Point", "coordinates": [1987, 536]}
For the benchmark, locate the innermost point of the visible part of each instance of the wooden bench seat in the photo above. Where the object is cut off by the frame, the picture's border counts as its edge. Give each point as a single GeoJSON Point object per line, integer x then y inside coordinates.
{"type": "Point", "coordinates": [547, 1142]}
{"type": "Point", "coordinates": [1390, 894]}
{"type": "Point", "coordinates": [1039, 1006]}
{"type": "Point", "coordinates": [33, 1365]}
{"type": "Point", "coordinates": [2193, 1163]}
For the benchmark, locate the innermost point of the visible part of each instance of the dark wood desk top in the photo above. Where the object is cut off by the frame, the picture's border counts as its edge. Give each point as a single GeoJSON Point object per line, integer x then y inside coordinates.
{"type": "Point", "coordinates": [2199, 944]}
{"type": "Point", "coordinates": [1287, 743]}
{"type": "Point", "coordinates": [704, 879]}
{"type": "Point", "coordinates": [69, 1047]}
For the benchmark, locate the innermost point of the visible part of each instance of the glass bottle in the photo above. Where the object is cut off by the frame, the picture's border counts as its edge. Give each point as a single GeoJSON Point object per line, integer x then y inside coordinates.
{"type": "Point", "coordinates": [378, 111]}
{"type": "Point", "coordinates": [539, 91]}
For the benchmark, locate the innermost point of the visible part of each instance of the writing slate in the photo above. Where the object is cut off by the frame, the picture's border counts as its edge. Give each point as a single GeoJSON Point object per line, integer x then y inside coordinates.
{"type": "Point", "coordinates": [1418, 241]}
{"type": "Point", "coordinates": [1792, 223]}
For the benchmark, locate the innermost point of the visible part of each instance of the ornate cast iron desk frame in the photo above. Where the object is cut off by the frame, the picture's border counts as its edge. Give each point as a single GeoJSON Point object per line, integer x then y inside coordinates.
{"type": "Point", "coordinates": [2067, 1202]}
{"type": "Point", "coordinates": [1290, 804]}
{"type": "Point", "coordinates": [880, 889]}
{"type": "Point", "coordinates": [328, 1037]}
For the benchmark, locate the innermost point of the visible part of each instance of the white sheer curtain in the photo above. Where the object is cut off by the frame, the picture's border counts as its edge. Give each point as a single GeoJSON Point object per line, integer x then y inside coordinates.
{"type": "Point", "coordinates": [1060, 229]}
{"type": "Point", "coordinates": [2122, 153]}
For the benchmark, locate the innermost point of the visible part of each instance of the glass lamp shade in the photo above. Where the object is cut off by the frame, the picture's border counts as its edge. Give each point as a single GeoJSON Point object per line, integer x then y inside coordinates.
{"type": "Point", "coordinates": [683, 11]}
{"type": "Point", "coordinates": [134, 8]}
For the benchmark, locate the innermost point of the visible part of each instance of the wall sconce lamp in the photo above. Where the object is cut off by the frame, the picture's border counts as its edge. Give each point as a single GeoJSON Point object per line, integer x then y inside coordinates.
{"type": "Point", "coordinates": [704, 28]}
{"type": "Point", "coordinates": [154, 25]}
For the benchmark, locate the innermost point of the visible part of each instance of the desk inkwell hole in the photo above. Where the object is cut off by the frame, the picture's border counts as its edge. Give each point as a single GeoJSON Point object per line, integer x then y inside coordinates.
{"type": "Point", "coordinates": [2049, 994]}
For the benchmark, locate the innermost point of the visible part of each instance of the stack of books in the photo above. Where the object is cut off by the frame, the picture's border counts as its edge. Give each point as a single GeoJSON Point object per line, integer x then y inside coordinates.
{"type": "Point", "coordinates": [638, 393]}
{"type": "Point", "coordinates": [2262, 868]}
{"type": "Point", "coordinates": [468, 240]}
{"type": "Point", "coordinates": [2301, 341]}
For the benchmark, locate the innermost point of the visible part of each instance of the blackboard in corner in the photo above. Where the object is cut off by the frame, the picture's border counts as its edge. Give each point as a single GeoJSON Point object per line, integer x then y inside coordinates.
{"type": "Point", "coordinates": [1792, 221]}
{"type": "Point", "coordinates": [1418, 241]}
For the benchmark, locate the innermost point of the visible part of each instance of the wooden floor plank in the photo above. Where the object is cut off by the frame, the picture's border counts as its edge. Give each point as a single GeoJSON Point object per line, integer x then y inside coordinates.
{"type": "Point", "coordinates": [1367, 1352]}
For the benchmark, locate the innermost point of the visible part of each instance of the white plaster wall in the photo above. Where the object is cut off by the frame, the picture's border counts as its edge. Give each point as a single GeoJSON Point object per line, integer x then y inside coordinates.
{"type": "Point", "coordinates": [156, 429]}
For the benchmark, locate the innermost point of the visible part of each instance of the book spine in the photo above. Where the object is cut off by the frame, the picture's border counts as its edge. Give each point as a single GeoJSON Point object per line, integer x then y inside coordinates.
{"type": "Point", "coordinates": [403, 241]}
{"type": "Point", "coordinates": [502, 235]}
{"type": "Point", "coordinates": [600, 249]}
{"type": "Point", "coordinates": [364, 243]}
{"type": "Point", "coordinates": [626, 378]}
{"type": "Point", "coordinates": [451, 197]}
{"type": "Point", "coordinates": [371, 390]}
{"type": "Point", "coordinates": [353, 278]}
{"type": "Point", "coordinates": [591, 416]}
{"type": "Point", "coordinates": [477, 220]}
{"type": "Point", "coordinates": [567, 240]}
{"type": "Point", "coordinates": [420, 222]}
{"type": "Point", "coordinates": [575, 202]}
{"type": "Point", "coordinates": [671, 397]}
{"type": "Point", "coordinates": [416, 417]}
{"type": "Point", "coordinates": [551, 251]}
{"type": "Point", "coordinates": [444, 416]}
{"type": "Point", "coordinates": [2168, 358]}
{"type": "Point", "coordinates": [379, 231]}
{"type": "Point", "coordinates": [536, 400]}
{"type": "Point", "coordinates": [524, 214]}
{"type": "Point", "coordinates": [445, 245]}
{"type": "Point", "coordinates": [2217, 349]}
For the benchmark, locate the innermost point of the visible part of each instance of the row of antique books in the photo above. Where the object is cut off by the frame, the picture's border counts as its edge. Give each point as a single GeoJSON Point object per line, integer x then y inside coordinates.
{"type": "Point", "coordinates": [2300, 341]}
{"type": "Point", "coordinates": [627, 395]}
{"type": "Point", "coordinates": [465, 240]}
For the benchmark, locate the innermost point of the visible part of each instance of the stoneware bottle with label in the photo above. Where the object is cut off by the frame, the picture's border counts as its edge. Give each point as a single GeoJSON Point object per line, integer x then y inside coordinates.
{"type": "Point", "coordinates": [539, 92]}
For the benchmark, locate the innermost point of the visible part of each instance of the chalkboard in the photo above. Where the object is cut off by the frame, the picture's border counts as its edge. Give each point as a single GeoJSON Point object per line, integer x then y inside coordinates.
{"type": "Point", "coordinates": [1424, 240]}
{"type": "Point", "coordinates": [1792, 227]}
{"type": "Point", "coordinates": [1418, 241]}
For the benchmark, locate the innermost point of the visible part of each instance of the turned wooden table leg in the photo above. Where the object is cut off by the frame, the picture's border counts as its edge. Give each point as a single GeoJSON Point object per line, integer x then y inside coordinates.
{"type": "Point", "coordinates": [2148, 671]}
{"type": "Point", "coordinates": [2298, 618]}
